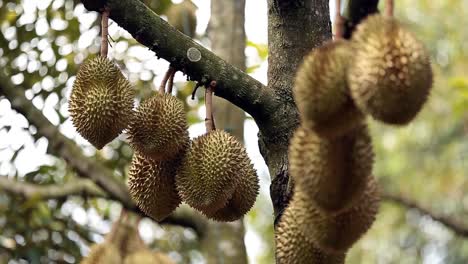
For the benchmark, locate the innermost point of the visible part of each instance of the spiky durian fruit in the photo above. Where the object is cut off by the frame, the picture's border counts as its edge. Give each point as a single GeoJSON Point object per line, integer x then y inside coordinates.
{"type": "Point", "coordinates": [125, 235]}
{"type": "Point", "coordinates": [321, 90]}
{"type": "Point", "coordinates": [147, 257]}
{"type": "Point", "coordinates": [158, 129]}
{"type": "Point", "coordinates": [101, 101]}
{"type": "Point", "coordinates": [152, 186]}
{"type": "Point", "coordinates": [292, 246]}
{"type": "Point", "coordinates": [210, 171]}
{"type": "Point", "coordinates": [332, 172]}
{"type": "Point", "coordinates": [336, 233]}
{"type": "Point", "coordinates": [242, 199]}
{"type": "Point", "coordinates": [390, 76]}
{"type": "Point", "coordinates": [105, 253]}
{"type": "Point", "coordinates": [182, 16]}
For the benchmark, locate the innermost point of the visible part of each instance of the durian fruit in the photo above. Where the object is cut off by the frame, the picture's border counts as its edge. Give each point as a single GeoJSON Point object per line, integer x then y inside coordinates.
{"type": "Point", "coordinates": [182, 16]}
{"type": "Point", "coordinates": [210, 171]}
{"type": "Point", "coordinates": [390, 76]}
{"type": "Point", "coordinates": [152, 186]}
{"type": "Point", "coordinates": [104, 253]}
{"type": "Point", "coordinates": [125, 235]}
{"type": "Point", "coordinates": [242, 199]}
{"type": "Point", "coordinates": [321, 91]}
{"type": "Point", "coordinates": [101, 101]}
{"type": "Point", "coordinates": [332, 172]}
{"type": "Point", "coordinates": [336, 234]}
{"type": "Point", "coordinates": [293, 247]}
{"type": "Point", "coordinates": [147, 257]}
{"type": "Point", "coordinates": [158, 129]}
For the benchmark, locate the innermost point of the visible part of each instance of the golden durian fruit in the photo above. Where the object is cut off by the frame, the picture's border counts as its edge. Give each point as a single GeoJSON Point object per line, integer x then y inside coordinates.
{"type": "Point", "coordinates": [182, 16]}
{"type": "Point", "coordinates": [209, 172]}
{"type": "Point", "coordinates": [104, 253]}
{"type": "Point", "coordinates": [158, 129]}
{"type": "Point", "coordinates": [332, 172]}
{"type": "Point", "coordinates": [101, 101]}
{"type": "Point", "coordinates": [152, 186]}
{"type": "Point", "coordinates": [321, 91]}
{"type": "Point", "coordinates": [390, 76]}
{"type": "Point", "coordinates": [125, 235]}
{"type": "Point", "coordinates": [336, 233]}
{"type": "Point", "coordinates": [147, 257]}
{"type": "Point", "coordinates": [242, 199]}
{"type": "Point", "coordinates": [293, 247]}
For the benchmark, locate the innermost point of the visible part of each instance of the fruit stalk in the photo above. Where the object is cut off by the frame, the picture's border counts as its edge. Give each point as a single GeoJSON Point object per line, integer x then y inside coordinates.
{"type": "Point", "coordinates": [104, 32]}
{"type": "Point", "coordinates": [389, 7]}
{"type": "Point", "coordinates": [339, 21]}
{"type": "Point", "coordinates": [169, 75]}
{"type": "Point", "coordinates": [209, 119]}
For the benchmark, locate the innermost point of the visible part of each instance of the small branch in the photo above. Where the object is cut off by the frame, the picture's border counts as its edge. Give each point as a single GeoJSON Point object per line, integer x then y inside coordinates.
{"type": "Point", "coordinates": [339, 21]}
{"type": "Point", "coordinates": [52, 191]}
{"type": "Point", "coordinates": [457, 227]}
{"type": "Point", "coordinates": [389, 8]}
{"type": "Point", "coordinates": [170, 83]}
{"type": "Point", "coordinates": [104, 32]}
{"type": "Point", "coordinates": [169, 73]}
{"type": "Point", "coordinates": [209, 119]}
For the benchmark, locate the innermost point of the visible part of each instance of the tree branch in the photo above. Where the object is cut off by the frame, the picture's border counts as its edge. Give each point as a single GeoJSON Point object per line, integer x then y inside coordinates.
{"type": "Point", "coordinates": [456, 226]}
{"type": "Point", "coordinates": [63, 147]}
{"type": "Point", "coordinates": [187, 56]}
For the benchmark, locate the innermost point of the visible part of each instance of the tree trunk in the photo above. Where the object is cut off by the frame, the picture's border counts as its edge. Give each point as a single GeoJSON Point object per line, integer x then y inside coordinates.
{"type": "Point", "coordinates": [224, 242]}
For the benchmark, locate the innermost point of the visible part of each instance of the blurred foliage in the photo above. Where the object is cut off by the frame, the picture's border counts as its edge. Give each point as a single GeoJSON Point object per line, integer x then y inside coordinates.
{"type": "Point", "coordinates": [43, 42]}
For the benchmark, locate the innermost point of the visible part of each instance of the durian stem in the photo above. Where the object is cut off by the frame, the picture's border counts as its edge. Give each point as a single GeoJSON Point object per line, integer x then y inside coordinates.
{"type": "Point", "coordinates": [209, 119]}
{"type": "Point", "coordinates": [169, 72]}
{"type": "Point", "coordinates": [104, 32]}
{"type": "Point", "coordinates": [339, 21]}
{"type": "Point", "coordinates": [170, 83]}
{"type": "Point", "coordinates": [389, 7]}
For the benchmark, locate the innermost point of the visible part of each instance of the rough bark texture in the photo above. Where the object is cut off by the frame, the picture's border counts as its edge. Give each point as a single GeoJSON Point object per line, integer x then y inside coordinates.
{"type": "Point", "coordinates": [224, 242]}
{"type": "Point", "coordinates": [294, 28]}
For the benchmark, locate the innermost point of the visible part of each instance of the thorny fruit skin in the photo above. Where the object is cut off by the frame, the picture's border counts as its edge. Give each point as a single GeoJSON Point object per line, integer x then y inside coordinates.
{"type": "Point", "coordinates": [336, 233]}
{"type": "Point", "coordinates": [321, 91]}
{"type": "Point", "coordinates": [293, 247]}
{"type": "Point", "coordinates": [209, 173]}
{"type": "Point", "coordinates": [158, 129]}
{"type": "Point", "coordinates": [390, 76]}
{"type": "Point", "coordinates": [101, 101]}
{"type": "Point", "coordinates": [152, 186]}
{"type": "Point", "coordinates": [333, 173]}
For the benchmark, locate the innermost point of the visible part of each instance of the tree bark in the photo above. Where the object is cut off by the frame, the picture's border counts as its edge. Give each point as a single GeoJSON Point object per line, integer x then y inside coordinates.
{"type": "Point", "coordinates": [224, 242]}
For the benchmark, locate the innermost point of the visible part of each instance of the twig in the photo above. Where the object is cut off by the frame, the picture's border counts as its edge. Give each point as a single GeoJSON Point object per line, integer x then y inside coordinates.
{"type": "Point", "coordinates": [169, 72]}
{"type": "Point", "coordinates": [170, 83]}
{"type": "Point", "coordinates": [389, 8]}
{"type": "Point", "coordinates": [198, 85]}
{"type": "Point", "coordinates": [104, 32]}
{"type": "Point", "coordinates": [209, 119]}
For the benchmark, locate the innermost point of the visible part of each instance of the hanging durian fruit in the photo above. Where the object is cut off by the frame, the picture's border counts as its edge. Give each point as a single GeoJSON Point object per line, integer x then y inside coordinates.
{"type": "Point", "coordinates": [182, 16]}
{"type": "Point", "coordinates": [336, 233]}
{"type": "Point", "coordinates": [105, 253]}
{"type": "Point", "coordinates": [332, 172]}
{"type": "Point", "coordinates": [390, 76]}
{"type": "Point", "coordinates": [152, 186]}
{"type": "Point", "coordinates": [211, 170]}
{"type": "Point", "coordinates": [293, 247]}
{"type": "Point", "coordinates": [101, 101]}
{"type": "Point", "coordinates": [242, 199]}
{"type": "Point", "coordinates": [321, 91]}
{"type": "Point", "coordinates": [158, 129]}
{"type": "Point", "coordinates": [147, 257]}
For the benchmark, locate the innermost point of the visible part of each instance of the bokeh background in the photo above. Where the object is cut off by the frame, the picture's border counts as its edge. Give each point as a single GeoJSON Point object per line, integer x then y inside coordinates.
{"type": "Point", "coordinates": [42, 43]}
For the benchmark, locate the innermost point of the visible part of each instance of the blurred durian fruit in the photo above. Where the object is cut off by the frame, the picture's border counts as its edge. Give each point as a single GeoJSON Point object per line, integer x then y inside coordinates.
{"type": "Point", "coordinates": [336, 233]}
{"type": "Point", "coordinates": [152, 186]}
{"type": "Point", "coordinates": [122, 240]}
{"type": "Point", "coordinates": [183, 17]}
{"type": "Point", "coordinates": [147, 256]}
{"type": "Point", "coordinates": [390, 76]}
{"type": "Point", "coordinates": [101, 101]}
{"type": "Point", "coordinates": [293, 247]}
{"type": "Point", "coordinates": [321, 90]}
{"type": "Point", "coordinates": [214, 166]}
{"type": "Point", "coordinates": [332, 172]}
{"type": "Point", "coordinates": [158, 129]}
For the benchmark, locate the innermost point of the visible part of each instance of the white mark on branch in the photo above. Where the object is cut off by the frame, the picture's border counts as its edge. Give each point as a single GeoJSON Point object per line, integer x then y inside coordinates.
{"type": "Point", "coordinates": [193, 54]}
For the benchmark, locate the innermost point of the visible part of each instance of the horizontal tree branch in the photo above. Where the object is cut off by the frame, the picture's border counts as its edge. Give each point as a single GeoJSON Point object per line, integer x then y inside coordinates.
{"type": "Point", "coordinates": [63, 147]}
{"type": "Point", "coordinates": [193, 59]}
{"type": "Point", "coordinates": [459, 228]}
